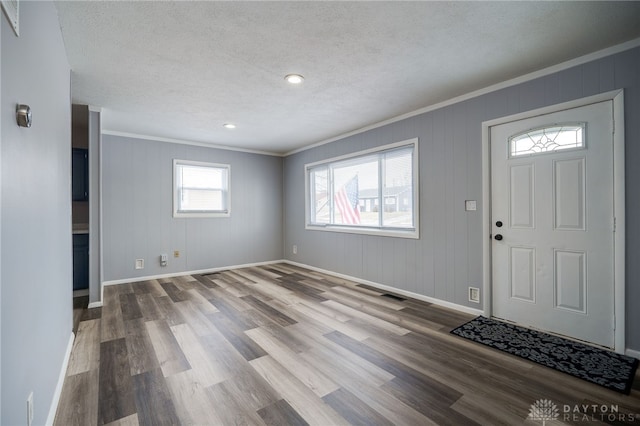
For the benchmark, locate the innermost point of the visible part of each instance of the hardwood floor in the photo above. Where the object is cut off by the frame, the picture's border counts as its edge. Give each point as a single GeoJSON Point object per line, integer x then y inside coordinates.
{"type": "Point", "coordinates": [80, 304]}
{"type": "Point", "coordinates": [282, 345]}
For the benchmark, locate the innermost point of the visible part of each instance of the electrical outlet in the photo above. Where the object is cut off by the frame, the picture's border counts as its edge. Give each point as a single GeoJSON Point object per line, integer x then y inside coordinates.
{"type": "Point", "coordinates": [163, 259]}
{"type": "Point", "coordinates": [30, 409]}
{"type": "Point", "coordinates": [295, 249]}
{"type": "Point", "coordinates": [474, 294]}
{"type": "Point", "coordinates": [139, 263]}
{"type": "Point", "coordinates": [176, 253]}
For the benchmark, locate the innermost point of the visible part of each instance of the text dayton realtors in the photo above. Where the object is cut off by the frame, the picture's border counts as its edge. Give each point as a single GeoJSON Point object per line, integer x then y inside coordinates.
{"type": "Point", "coordinates": [595, 412]}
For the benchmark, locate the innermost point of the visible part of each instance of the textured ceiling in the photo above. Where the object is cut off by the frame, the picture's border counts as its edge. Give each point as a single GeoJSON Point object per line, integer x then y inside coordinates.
{"type": "Point", "coordinates": [182, 69]}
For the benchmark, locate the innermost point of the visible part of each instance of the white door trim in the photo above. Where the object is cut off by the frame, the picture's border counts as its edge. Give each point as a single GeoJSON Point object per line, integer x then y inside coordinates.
{"type": "Point", "coordinates": [617, 96]}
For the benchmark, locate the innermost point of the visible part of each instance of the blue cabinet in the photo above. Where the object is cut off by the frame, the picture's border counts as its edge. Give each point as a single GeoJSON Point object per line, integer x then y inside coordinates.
{"type": "Point", "coordinates": [80, 261]}
{"type": "Point", "coordinates": [80, 174]}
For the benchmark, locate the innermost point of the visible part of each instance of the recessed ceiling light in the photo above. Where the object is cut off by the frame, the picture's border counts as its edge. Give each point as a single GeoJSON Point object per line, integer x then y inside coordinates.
{"type": "Point", "coordinates": [229, 126]}
{"type": "Point", "coordinates": [294, 78]}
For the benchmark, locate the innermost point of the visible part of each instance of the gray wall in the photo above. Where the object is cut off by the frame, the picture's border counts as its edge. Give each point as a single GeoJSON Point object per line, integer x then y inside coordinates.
{"type": "Point", "coordinates": [448, 256]}
{"type": "Point", "coordinates": [35, 197]}
{"type": "Point", "coordinates": [1, 109]}
{"type": "Point", "coordinates": [95, 136]}
{"type": "Point", "coordinates": [137, 210]}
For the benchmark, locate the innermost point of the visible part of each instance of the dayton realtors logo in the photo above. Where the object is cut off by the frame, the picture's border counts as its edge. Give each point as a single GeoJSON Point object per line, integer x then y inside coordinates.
{"type": "Point", "coordinates": [545, 410]}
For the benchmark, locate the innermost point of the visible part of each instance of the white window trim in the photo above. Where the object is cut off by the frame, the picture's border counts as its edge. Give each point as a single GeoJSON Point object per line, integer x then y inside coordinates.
{"type": "Point", "coordinates": [179, 214]}
{"type": "Point", "coordinates": [413, 233]}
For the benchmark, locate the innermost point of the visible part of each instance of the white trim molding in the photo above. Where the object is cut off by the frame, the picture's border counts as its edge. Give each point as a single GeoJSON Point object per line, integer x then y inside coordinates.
{"type": "Point", "coordinates": [444, 303]}
{"type": "Point", "coordinates": [181, 273]}
{"type": "Point", "coordinates": [435, 301]}
{"type": "Point", "coordinates": [617, 98]}
{"type": "Point", "coordinates": [187, 142]}
{"type": "Point", "coordinates": [631, 44]}
{"type": "Point", "coordinates": [225, 190]}
{"type": "Point", "coordinates": [620, 233]}
{"type": "Point", "coordinates": [53, 408]}
{"type": "Point", "coordinates": [12, 12]}
{"type": "Point", "coordinates": [97, 304]}
{"type": "Point", "coordinates": [439, 302]}
{"type": "Point", "coordinates": [632, 353]}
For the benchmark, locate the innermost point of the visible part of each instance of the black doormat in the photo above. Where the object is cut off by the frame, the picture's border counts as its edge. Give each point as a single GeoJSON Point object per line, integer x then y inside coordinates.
{"type": "Point", "coordinates": [605, 368]}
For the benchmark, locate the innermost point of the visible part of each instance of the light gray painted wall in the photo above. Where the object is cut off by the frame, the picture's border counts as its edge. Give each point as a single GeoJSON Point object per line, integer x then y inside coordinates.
{"type": "Point", "coordinates": [36, 213]}
{"type": "Point", "coordinates": [448, 256]}
{"type": "Point", "coordinates": [0, 227]}
{"type": "Point", "coordinates": [137, 210]}
{"type": "Point", "coordinates": [95, 136]}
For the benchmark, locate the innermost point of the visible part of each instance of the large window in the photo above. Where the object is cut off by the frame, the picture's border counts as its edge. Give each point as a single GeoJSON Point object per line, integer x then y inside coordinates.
{"type": "Point", "coordinates": [200, 189]}
{"type": "Point", "coordinates": [370, 192]}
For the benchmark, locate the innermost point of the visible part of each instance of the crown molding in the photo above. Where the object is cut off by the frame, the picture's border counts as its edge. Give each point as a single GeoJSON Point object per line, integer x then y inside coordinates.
{"type": "Point", "coordinates": [495, 87]}
{"type": "Point", "coordinates": [186, 142]}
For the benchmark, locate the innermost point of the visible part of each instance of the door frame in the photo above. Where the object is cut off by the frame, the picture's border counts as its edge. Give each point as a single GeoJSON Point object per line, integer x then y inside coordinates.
{"type": "Point", "coordinates": [617, 98]}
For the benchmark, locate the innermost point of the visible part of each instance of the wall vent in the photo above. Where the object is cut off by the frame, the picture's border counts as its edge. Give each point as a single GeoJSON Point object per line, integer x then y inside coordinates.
{"type": "Point", "coordinates": [12, 12]}
{"type": "Point", "coordinates": [474, 294]}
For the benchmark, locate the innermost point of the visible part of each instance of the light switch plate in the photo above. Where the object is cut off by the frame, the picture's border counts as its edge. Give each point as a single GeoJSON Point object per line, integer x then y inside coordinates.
{"type": "Point", "coordinates": [470, 205]}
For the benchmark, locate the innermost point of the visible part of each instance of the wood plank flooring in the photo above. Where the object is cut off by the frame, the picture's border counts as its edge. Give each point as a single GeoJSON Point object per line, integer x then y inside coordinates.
{"type": "Point", "coordinates": [282, 345]}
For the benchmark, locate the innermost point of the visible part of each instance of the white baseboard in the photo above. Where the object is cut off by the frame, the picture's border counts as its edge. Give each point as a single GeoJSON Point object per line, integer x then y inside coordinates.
{"type": "Point", "coordinates": [63, 373]}
{"type": "Point", "coordinates": [632, 353]}
{"type": "Point", "coordinates": [418, 296]}
{"type": "Point", "coordinates": [413, 295]}
{"type": "Point", "coordinates": [181, 273]}
{"type": "Point", "coordinates": [99, 303]}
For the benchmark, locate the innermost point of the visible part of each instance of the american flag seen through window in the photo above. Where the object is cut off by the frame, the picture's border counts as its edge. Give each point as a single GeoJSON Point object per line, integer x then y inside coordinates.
{"type": "Point", "coordinates": [346, 200]}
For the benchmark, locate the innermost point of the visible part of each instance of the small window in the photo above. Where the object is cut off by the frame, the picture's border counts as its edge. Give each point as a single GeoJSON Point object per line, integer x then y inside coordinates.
{"type": "Point", "coordinates": [370, 192]}
{"type": "Point", "coordinates": [547, 139]}
{"type": "Point", "coordinates": [200, 189]}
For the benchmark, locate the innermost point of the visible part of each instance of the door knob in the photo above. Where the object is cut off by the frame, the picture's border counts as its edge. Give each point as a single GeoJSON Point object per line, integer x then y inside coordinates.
{"type": "Point", "coordinates": [499, 224]}
{"type": "Point", "coordinates": [498, 237]}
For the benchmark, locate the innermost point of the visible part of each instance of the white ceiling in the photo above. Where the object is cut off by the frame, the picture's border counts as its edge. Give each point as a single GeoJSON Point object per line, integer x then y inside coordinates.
{"type": "Point", "coordinates": [181, 70]}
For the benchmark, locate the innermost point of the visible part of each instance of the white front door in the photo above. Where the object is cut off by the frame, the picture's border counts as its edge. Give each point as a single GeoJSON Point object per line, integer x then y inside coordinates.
{"type": "Point", "coordinates": [552, 222]}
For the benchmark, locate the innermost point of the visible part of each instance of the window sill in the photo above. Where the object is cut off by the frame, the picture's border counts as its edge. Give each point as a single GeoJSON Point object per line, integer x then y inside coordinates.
{"type": "Point", "coordinates": [199, 215]}
{"type": "Point", "coordinates": [396, 233]}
